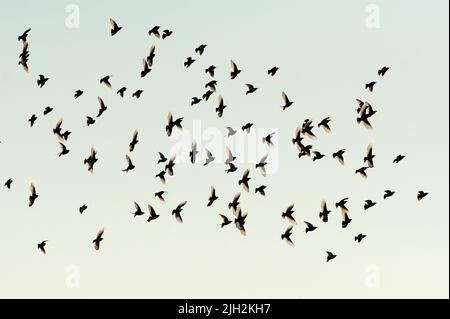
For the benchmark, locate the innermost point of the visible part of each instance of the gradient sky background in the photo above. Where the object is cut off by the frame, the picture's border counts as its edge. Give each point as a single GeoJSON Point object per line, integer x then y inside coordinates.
{"type": "Point", "coordinates": [325, 53]}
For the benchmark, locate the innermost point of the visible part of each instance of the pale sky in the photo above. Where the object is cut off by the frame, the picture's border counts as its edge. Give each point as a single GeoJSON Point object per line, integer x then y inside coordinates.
{"type": "Point", "coordinates": [326, 52]}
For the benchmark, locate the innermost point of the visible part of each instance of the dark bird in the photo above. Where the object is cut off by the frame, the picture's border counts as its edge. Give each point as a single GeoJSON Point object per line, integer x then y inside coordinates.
{"type": "Point", "coordinates": [114, 27]}
{"type": "Point", "coordinates": [231, 168]}
{"type": "Point", "coordinates": [153, 214]}
{"type": "Point", "coordinates": [166, 33]}
{"type": "Point", "coordinates": [234, 70]}
{"type": "Point", "coordinates": [340, 156]}
{"type": "Point", "coordinates": [324, 123]}
{"type": "Point", "coordinates": [24, 35]}
{"type": "Point", "coordinates": [82, 208]}
{"type": "Point", "coordinates": [32, 198]}
{"type": "Point", "coordinates": [8, 183]}
{"type": "Point", "coordinates": [47, 110]}
{"type": "Point", "coordinates": [230, 131]}
{"type": "Point", "coordinates": [170, 165]}
{"type": "Point", "coordinates": [421, 195]}
{"type": "Point", "coordinates": [370, 86]}
{"type": "Point", "coordinates": [309, 227]}
{"type": "Point", "coordinates": [78, 93]}
{"type": "Point", "coordinates": [64, 150]}
{"type": "Point", "coordinates": [250, 89]}
{"type": "Point", "coordinates": [41, 246]}
{"type": "Point", "coordinates": [207, 95]}
{"type": "Point", "coordinates": [42, 80]}
{"type": "Point", "coordinates": [360, 237]}
{"type": "Point", "coordinates": [134, 141]}
{"type": "Point", "coordinates": [210, 158]}
{"type": "Point", "coordinates": [211, 85]}
{"type": "Point", "coordinates": [188, 62]}
{"type": "Point", "coordinates": [239, 221]}
{"type": "Point", "coordinates": [57, 130]}
{"type": "Point", "coordinates": [261, 189]}
{"type": "Point", "coordinates": [89, 121]}
{"type": "Point", "coordinates": [24, 55]}
{"type": "Point", "coordinates": [154, 31]}
{"type": "Point", "coordinates": [398, 159]}
{"type": "Point", "coordinates": [368, 204]}
{"type": "Point", "coordinates": [307, 129]}
{"type": "Point", "coordinates": [171, 124]}
{"type": "Point", "coordinates": [247, 127]}
{"type": "Point", "coordinates": [200, 49]}
{"type": "Point", "coordinates": [230, 158]}
{"type": "Point", "coordinates": [105, 81]}
{"type": "Point", "coordinates": [262, 165]}
{"type": "Point", "coordinates": [177, 212]}
{"type": "Point", "coordinates": [98, 239]}
{"type": "Point", "coordinates": [244, 180]}
{"type": "Point", "coordinates": [151, 56]}
{"type": "Point", "coordinates": [234, 204]}
{"type": "Point", "coordinates": [362, 171]}
{"type": "Point", "coordinates": [138, 211]}
{"type": "Point", "coordinates": [346, 220]}
{"type": "Point", "coordinates": [272, 71]}
{"type": "Point", "coordinates": [32, 119]}
{"type": "Point", "coordinates": [225, 221]}
{"type": "Point", "coordinates": [213, 197]}
{"type": "Point", "coordinates": [317, 156]}
{"type": "Point", "coordinates": [91, 160]}
{"type": "Point", "coordinates": [195, 100]}
{"type": "Point", "coordinates": [161, 176]}
{"type": "Point", "coordinates": [325, 212]}
{"type": "Point", "coordinates": [383, 70]}
{"type": "Point", "coordinates": [304, 150]}
{"type": "Point", "coordinates": [330, 256]}
{"type": "Point", "coordinates": [121, 91]}
{"type": "Point", "coordinates": [137, 94]}
{"type": "Point", "coordinates": [287, 102]}
{"type": "Point", "coordinates": [193, 153]}
{"type": "Point", "coordinates": [160, 195]}
{"type": "Point", "coordinates": [268, 139]}
{"type": "Point", "coordinates": [288, 214]}
{"type": "Point", "coordinates": [146, 67]}
{"type": "Point", "coordinates": [130, 166]}
{"type": "Point", "coordinates": [162, 158]}
{"type": "Point", "coordinates": [286, 236]}
{"type": "Point", "coordinates": [388, 193]}
{"type": "Point", "coordinates": [341, 204]}
{"type": "Point", "coordinates": [220, 106]}
{"type": "Point", "coordinates": [369, 157]}
{"type": "Point", "coordinates": [297, 140]}
{"type": "Point", "coordinates": [103, 107]}
{"type": "Point", "coordinates": [210, 70]}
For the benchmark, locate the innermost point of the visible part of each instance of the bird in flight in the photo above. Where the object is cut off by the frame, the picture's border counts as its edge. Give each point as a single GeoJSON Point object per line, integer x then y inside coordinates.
{"type": "Point", "coordinates": [213, 197]}
{"type": "Point", "coordinates": [195, 100]}
{"type": "Point", "coordinates": [369, 157]}
{"type": "Point", "coordinates": [210, 158]}
{"type": "Point", "coordinates": [250, 89]}
{"type": "Point", "coordinates": [261, 190]}
{"type": "Point", "coordinates": [134, 141]}
{"type": "Point", "coordinates": [83, 208]}
{"type": "Point", "coordinates": [261, 165]}
{"type": "Point", "coordinates": [340, 156]}
{"type": "Point", "coordinates": [193, 152]}
{"type": "Point", "coordinates": [234, 70]}
{"type": "Point", "coordinates": [8, 183]}
{"type": "Point", "coordinates": [309, 227]}
{"type": "Point", "coordinates": [330, 256]}
{"type": "Point", "coordinates": [388, 193]}
{"type": "Point", "coordinates": [177, 212]}
{"type": "Point", "coordinates": [346, 220]}
{"type": "Point", "coordinates": [170, 165]}
{"type": "Point", "coordinates": [89, 121]}
{"type": "Point", "coordinates": [230, 158]}
{"type": "Point", "coordinates": [32, 119]}
{"type": "Point", "coordinates": [325, 124]}
{"type": "Point", "coordinates": [137, 93]}
{"type": "Point", "coordinates": [368, 204]}
{"type": "Point", "coordinates": [130, 165]}
{"type": "Point", "coordinates": [210, 70]}
{"type": "Point", "coordinates": [24, 56]}
{"type": "Point", "coordinates": [421, 195]}
{"type": "Point", "coordinates": [370, 86]}
{"type": "Point", "coordinates": [160, 195]}
{"type": "Point", "coordinates": [102, 108]}
{"type": "Point", "coordinates": [114, 27]}
{"type": "Point", "coordinates": [383, 70]}
{"type": "Point", "coordinates": [247, 127]}
{"type": "Point", "coordinates": [220, 106]}
{"type": "Point", "coordinates": [154, 31]}
{"type": "Point", "coordinates": [105, 81]}
{"type": "Point", "coordinates": [42, 80]}
{"type": "Point", "coordinates": [153, 214]}
{"type": "Point", "coordinates": [47, 110]}
{"type": "Point", "coordinates": [398, 159]}
{"type": "Point", "coordinates": [231, 168]}
{"type": "Point", "coordinates": [230, 131]}
{"type": "Point", "coordinates": [24, 35]}
{"type": "Point", "coordinates": [146, 69]}
{"type": "Point", "coordinates": [287, 102]}
{"type": "Point", "coordinates": [98, 239]}
{"type": "Point", "coordinates": [33, 196]}
{"type": "Point", "coordinates": [77, 94]}
{"type": "Point", "coordinates": [268, 139]}
{"type": "Point", "coordinates": [286, 236]}
{"type": "Point", "coordinates": [225, 221]}
{"type": "Point", "coordinates": [162, 158]}
{"type": "Point", "coordinates": [288, 214]}
{"type": "Point", "coordinates": [161, 176]}
{"type": "Point", "coordinates": [188, 62]}
{"type": "Point", "coordinates": [91, 160]}
{"type": "Point", "coordinates": [324, 212]}
{"type": "Point", "coordinates": [171, 124]}
{"type": "Point", "coordinates": [200, 49]}
{"type": "Point", "coordinates": [317, 156]}
{"type": "Point", "coordinates": [41, 246]}
{"type": "Point", "coordinates": [239, 221]}
{"type": "Point", "coordinates": [244, 180]}
{"type": "Point", "coordinates": [362, 171]}
{"type": "Point", "coordinates": [234, 204]}
{"type": "Point", "coordinates": [138, 211]}
{"type": "Point", "coordinates": [64, 150]}
{"type": "Point", "coordinates": [360, 237]}
{"type": "Point", "coordinates": [272, 71]}
{"type": "Point", "coordinates": [121, 91]}
{"type": "Point", "coordinates": [166, 33]}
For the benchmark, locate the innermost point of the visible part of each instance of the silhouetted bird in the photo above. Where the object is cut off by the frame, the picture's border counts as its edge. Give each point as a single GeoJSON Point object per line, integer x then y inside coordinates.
{"type": "Point", "coordinates": [103, 107]}
{"type": "Point", "coordinates": [188, 62]}
{"type": "Point", "coordinates": [24, 35]}
{"type": "Point", "coordinates": [272, 71]}
{"type": "Point", "coordinates": [89, 121]}
{"type": "Point", "coordinates": [42, 80]}
{"type": "Point", "coordinates": [340, 156]}
{"type": "Point", "coordinates": [162, 158]}
{"type": "Point", "coordinates": [32, 119]}
{"type": "Point", "coordinates": [47, 110]}
{"type": "Point", "coordinates": [91, 160]}
{"type": "Point", "coordinates": [114, 27]}
{"type": "Point", "coordinates": [154, 31]}
{"type": "Point", "coordinates": [210, 158]}
{"type": "Point", "coordinates": [231, 168]}
{"type": "Point", "coordinates": [64, 150]}
{"type": "Point", "coordinates": [121, 91]}
{"type": "Point", "coordinates": [230, 158]}
{"type": "Point", "coordinates": [307, 129]}
{"type": "Point", "coordinates": [325, 124]}
{"type": "Point", "coordinates": [317, 156]}
{"type": "Point", "coordinates": [287, 102]}
{"type": "Point", "coordinates": [239, 221]}
{"type": "Point", "coordinates": [170, 165]}
{"type": "Point", "coordinates": [288, 214]}
{"type": "Point", "coordinates": [325, 212]}
{"type": "Point", "coordinates": [137, 94]}
{"type": "Point", "coordinates": [33, 196]}
{"type": "Point", "coordinates": [383, 70]}
{"type": "Point", "coordinates": [166, 33]}
{"type": "Point", "coordinates": [177, 212]}
{"type": "Point", "coordinates": [153, 214]}
{"type": "Point", "coordinates": [247, 127]}
{"type": "Point", "coordinates": [268, 139]}
{"type": "Point", "coordinates": [388, 193]}
{"type": "Point", "coordinates": [211, 85]}
{"type": "Point", "coordinates": [244, 180]}
{"type": "Point", "coordinates": [262, 165]}
{"type": "Point", "coordinates": [105, 80]}
{"type": "Point", "coordinates": [230, 131]}
{"type": "Point", "coordinates": [134, 141]}
{"type": "Point", "coordinates": [370, 86]}
{"type": "Point", "coordinates": [207, 95]}
{"type": "Point", "coordinates": [369, 157]}
{"type": "Point", "coordinates": [368, 204]}
{"type": "Point", "coordinates": [234, 204]}
{"type": "Point", "coordinates": [398, 159]}
{"type": "Point", "coordinates": [130, 165]}
{"type": "Point", "coordinates": [286, 236]}
{"type": "Point", "coordinates": [41, 246]}
{"type": "Point", "coordinates": [8, 183]}
{"type": "Point", "coordinates": [200, 49]}
{"type": "Point", "coordinates": [171, 124]}
{"type": "Point", "coordinates": [98, 239]}
{"type": "Point", "coordinates": [346, 220]}
{"type": "Point", "coordinates": [195, 100]}
{"type": "Point", "coordinates": [220, 106]}
{"type": "Point", "coordinates": [138, 211]}
{"type": "Point", "coordinates": [78, 93]}
{"type": "Point", "coordinates": [421, 195]}
{"type": "Point", "coordinates": [24, 55]}
{"type": "Point", "coordinates": [250, 89]}
{"type": "Point", "coordinates": [341, 204]}
{"type": "Point", "coordinates": [297, 140]}
{"type": "Point", "coordinates": [360, 237]}
{"type": "Point", "coordinates": [210, 70]}
{"type": "Point", "coordinates": [161, 176]}
{"type": "Point", "coordinates": [213, 196]}
{"type": "Point", "coordinates": [261, 189]}
{"type": "Point", "coordinates": [362, 171]}
{"type": "Point", "coordinates": [193, 152]}
{"type": "Point", "coordinates": [309, 227]}
{"type": "Point", "coordinates": [82, 208]}
{"type": "Point", "coordinates": [234, 70]}
{"type": "Point", "coordinates": [146, 67]}
{"type": "Point", "coordinates": [160, 195]}
{"type": "Point", "coordinates": [330, 256]}
{"type": "Point", "coordinates": [151, 55]}
{"type": "Point", "coordinates": [225, 221]}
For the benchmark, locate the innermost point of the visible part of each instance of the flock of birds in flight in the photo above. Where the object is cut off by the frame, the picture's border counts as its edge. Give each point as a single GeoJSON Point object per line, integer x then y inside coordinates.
{"type": "Point", "coordinates": [364, 114]}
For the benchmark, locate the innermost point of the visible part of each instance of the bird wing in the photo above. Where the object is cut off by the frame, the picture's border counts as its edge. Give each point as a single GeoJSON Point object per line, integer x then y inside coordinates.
{"type": "Point", "coordinates": [100, 233]}
{"type": "Point", "coordinates": [113, 23]}
{"type": "Point", "coordinates": [128, 160]}
{"type": "Point", "coordinates": [233, 66]}
{"type": "Point", "coordinates": [285, 97]}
